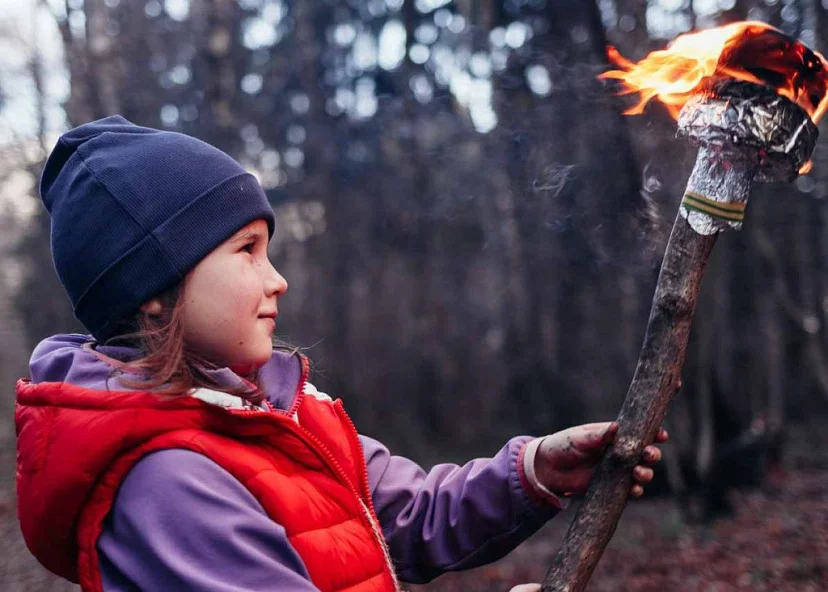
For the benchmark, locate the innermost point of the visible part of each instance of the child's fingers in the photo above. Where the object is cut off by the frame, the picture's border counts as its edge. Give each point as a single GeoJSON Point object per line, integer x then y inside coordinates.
{"type": "Point", "coordinates": [526, 588]}
{"type": "Point", "coordinates": [662, 435]}
{"type": "Point", "coordinates": [637, 491]}
{"type": "Point", "coordinates": [643, 474]}
{"type": "Point", "coordinates": [651, 454]}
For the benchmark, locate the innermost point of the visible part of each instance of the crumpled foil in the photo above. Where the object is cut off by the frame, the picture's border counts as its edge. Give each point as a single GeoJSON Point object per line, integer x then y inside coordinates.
{"type": "Point", "coordinates": [752, 126]}
{"type": "Point", "coordinates": [746, 132]}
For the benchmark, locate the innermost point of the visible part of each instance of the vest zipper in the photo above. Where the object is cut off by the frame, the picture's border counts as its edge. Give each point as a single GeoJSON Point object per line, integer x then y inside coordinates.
{"type": "Point", "coordinates": [366, 504]}
{"type": "Point", "coordinates": [365, 501]}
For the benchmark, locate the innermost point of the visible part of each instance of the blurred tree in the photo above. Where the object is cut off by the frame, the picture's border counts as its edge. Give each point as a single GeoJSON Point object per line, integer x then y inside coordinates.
{"type": "Point", "coordinates": [470, 229]}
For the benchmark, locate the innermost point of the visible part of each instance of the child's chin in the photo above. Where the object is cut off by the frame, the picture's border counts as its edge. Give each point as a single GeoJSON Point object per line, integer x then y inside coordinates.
{"type": "Point", "coordinates": [248, 366]}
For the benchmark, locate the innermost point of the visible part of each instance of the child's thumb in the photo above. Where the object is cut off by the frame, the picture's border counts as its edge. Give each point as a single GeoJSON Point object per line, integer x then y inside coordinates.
{"type": "Point", "coordinates": [610, 433]}
{"type": "Point", "coordinates": [596, 436]}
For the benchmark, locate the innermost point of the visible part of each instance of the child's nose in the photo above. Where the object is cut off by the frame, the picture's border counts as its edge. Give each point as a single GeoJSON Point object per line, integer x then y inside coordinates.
{"type": "Point", "coordinates": [276, 284]}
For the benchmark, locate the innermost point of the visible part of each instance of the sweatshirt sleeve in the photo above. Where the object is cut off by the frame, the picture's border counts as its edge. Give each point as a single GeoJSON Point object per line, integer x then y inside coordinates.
{"type": "Point", "coordinates": [182, 522]}
{"type": "Point", "coordinates": [453, 517]}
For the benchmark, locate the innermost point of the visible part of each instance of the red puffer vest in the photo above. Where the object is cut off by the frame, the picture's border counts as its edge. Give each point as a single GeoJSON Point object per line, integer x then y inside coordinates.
{"type": "Point", "coordinates": [76, 445]}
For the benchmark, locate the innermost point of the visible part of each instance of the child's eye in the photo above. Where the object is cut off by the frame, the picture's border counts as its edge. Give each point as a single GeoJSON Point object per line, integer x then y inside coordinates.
{"type": "Point", "coordinates": [248, 247]}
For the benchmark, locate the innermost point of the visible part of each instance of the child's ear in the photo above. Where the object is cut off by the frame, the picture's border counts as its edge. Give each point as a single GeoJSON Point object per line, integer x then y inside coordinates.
{"type": "Point", "coordinates": [152, 307]}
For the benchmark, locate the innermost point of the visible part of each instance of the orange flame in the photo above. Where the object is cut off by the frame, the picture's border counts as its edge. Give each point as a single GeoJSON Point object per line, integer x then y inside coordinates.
{"type": "Point", "coordinates": [750, 51]}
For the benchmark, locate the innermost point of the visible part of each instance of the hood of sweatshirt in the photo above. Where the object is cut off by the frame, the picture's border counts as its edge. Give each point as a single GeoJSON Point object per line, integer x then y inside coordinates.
{"type": "Point", "coordinates": [70, 358]}
{"type": "Point", "coordinates": [73, 418]}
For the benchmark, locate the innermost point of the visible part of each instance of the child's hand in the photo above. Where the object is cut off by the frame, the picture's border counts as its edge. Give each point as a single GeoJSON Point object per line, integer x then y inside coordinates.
{"type": "Point", "coordinates": [565, 460]}
{"type": "Point", "coordinates": [526, 588]}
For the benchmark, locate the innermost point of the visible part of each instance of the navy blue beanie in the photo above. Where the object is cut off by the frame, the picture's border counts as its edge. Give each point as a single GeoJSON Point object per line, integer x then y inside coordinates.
{"type": "Point", "coordinates": [133, 209]}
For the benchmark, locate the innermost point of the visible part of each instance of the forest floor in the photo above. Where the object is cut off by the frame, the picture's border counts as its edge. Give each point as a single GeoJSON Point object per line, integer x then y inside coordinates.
{"type": "Point", "coordinates": [776, 541]}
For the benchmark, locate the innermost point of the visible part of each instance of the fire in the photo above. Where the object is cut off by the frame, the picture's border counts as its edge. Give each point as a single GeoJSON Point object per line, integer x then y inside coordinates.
{"type": "Point", "coordinates": [750, 51]}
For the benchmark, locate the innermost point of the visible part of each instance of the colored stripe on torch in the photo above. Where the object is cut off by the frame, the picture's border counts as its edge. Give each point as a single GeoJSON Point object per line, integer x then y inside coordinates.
{"type": "Point", "coordinates": [732, 212]}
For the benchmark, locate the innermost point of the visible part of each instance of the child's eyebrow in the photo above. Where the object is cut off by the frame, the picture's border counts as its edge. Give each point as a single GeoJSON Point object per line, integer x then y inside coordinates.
{"type": "Point", "coordinates": [244, 235]}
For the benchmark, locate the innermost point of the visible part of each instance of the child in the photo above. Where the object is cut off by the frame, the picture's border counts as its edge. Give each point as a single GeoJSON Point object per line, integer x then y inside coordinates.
{"type": "Point", "coordinates": [174, 448]}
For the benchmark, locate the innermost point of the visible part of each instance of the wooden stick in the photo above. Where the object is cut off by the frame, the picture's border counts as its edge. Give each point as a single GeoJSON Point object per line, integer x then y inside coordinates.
{"type": "Point", "coordinates": [652, 388]}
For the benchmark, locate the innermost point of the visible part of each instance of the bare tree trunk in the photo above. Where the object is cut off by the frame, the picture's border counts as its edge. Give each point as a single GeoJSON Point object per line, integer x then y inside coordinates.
{"type": "Point", "coordinates": [809, 22]}
{"type": "Point", "coordinates": [818, 360]}
{"type": "Point", "coordinates": [101, 58]}
{"type": "Point", "coordinates": [704, 395]}
{"type": "Point", "coordinates": [768, 317]}
{"type": "Point", "coordinates": [36, 68]}
{"type": "Point", "coordinates": [215, 68]}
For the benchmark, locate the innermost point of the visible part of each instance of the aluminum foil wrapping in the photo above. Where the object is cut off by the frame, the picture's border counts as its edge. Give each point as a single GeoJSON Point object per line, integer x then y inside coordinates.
{"type": "Point", "coordinates": [716, 179]}
{"type": "Point", "coordinates": [745, 132]}
{"type": "Point", "coordinates": [751, 123]}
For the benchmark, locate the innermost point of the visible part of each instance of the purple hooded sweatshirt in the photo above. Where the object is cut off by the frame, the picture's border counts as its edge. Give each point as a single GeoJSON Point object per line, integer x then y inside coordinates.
{"type": "Point", "coordinates": [180, 521]}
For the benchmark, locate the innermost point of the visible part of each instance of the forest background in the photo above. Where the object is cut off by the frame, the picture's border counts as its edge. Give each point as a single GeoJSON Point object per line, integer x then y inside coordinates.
{"type": "Point", "coordinates": [470, 227]}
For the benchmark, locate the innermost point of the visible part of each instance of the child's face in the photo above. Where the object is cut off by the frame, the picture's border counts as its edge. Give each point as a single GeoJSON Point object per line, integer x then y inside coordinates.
{"type": "Point", "coordinates": [230, 301]}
